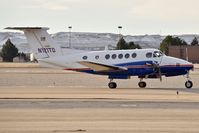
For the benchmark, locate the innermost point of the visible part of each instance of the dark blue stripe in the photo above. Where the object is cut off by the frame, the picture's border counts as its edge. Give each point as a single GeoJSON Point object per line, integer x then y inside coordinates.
{"type": "Point", "coordinates": [143, 70]}
{"type": "Point", "coordinates": [139, 63]}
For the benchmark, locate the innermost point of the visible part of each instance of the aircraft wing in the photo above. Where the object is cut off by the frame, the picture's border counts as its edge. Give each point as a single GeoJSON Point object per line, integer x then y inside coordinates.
{"type": "Point", "coordinates": [102, 67]}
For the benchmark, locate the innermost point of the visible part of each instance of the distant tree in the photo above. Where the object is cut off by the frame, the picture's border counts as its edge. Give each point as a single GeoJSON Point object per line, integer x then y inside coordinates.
{"type": "Point", "coordinates": [9, 51]}
{"type": "Point", "coordinates": [171, 41]}
{"type": "Point", "coordinates": [179, 42]}
{"type": "Point", "coordinates": [122, 44]}
{"type": "Point", "coordinates": [165, 44]}
{"type": "Point", "coordinates": [23, 56]}
{"type": "Point", "coordinates": [194, 42]}
{"type": "Point", "coordinates": [132, 45]}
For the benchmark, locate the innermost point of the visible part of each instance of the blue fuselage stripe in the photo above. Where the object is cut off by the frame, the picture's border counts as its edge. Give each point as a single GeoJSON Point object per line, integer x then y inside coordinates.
{"type": "Point", "coordinates": [141, 69]}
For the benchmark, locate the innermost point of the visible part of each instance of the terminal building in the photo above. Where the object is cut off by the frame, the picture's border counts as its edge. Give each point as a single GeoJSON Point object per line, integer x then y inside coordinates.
{"type": "Point", "coordinates": [188, 52]}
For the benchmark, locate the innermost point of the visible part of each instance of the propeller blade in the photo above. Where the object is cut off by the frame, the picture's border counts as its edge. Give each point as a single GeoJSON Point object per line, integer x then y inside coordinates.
{"type": "Point", "coordinates": [157, 70]}
{"type": "Point", "coordinates": [159, 73]}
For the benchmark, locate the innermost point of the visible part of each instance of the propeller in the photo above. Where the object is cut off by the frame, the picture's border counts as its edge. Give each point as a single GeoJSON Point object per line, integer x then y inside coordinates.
{"type": "Point", "coordinates": [156, 68]}
{"type": "Point", "coordinates": [158, 71]}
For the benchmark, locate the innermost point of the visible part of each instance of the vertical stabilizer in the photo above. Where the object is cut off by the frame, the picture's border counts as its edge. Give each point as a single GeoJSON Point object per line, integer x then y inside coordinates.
{"type": "Point", "coordinates": [41, 43]}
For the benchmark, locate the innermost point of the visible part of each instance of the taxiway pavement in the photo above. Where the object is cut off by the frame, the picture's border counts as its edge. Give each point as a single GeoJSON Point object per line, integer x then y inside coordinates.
{"type": "Point", "coordinates": [44, 100]}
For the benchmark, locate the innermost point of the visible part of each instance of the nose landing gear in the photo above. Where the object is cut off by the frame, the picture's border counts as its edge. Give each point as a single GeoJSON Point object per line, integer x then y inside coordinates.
{"type": "Point", "coordinates": [188, 83]}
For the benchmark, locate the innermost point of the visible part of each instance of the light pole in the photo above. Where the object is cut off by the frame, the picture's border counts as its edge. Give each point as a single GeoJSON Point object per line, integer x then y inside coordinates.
{"type": "Point", "coordinates": [120, 29]}
{"type": "Point", "coordinates": [69, 28]}
{"type": "Point", "coordinates": [120, 35]}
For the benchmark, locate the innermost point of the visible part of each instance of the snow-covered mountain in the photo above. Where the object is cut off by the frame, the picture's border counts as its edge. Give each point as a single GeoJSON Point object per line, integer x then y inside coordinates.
{"type": "Point", "coordinates": [89, 41]}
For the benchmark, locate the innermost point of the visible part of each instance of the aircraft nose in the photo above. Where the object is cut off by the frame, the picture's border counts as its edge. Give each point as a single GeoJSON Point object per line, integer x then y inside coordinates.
{"type": "Point", "coordinates": [192, 66]}
{"type": "Point", "coordinates": [189, 65]}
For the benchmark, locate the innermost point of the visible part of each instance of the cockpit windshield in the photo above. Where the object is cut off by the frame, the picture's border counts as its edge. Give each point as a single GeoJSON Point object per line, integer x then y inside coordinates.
{"type": "Point", "coordinates": [157, 54]}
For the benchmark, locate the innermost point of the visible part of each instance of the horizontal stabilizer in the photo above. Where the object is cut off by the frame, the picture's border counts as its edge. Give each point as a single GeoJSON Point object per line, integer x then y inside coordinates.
{"type": "Point", "coordinates": [26, 28]}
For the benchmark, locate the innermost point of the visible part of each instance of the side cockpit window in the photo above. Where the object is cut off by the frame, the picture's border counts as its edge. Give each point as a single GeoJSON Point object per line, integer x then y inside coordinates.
{"type": "Point", "coordinates": [157, 54]}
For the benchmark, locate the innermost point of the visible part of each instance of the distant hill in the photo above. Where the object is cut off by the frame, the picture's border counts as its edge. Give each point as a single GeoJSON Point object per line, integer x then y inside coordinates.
{"type": "Point", "coordinates": [89, 41]}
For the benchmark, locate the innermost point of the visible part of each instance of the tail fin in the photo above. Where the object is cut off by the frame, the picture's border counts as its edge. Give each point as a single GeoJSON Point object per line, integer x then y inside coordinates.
{"type": "Point", "coordinates": [41, 44]}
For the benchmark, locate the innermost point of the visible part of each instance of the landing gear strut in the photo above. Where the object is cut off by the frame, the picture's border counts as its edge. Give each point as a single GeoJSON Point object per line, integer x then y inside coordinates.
{"type": "Point", "coordinates": [188, 83]}
{"type": "Point", "coordinates": [112, 85]}
{"type": "Point", "coordinates": [142, 84]}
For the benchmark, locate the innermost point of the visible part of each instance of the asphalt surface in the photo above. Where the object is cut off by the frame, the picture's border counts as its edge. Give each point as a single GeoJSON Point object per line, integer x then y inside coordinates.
{"type": "Point", "coordinates": [40, 100]}
{"type": "Point", "coordinates": [103, 104]}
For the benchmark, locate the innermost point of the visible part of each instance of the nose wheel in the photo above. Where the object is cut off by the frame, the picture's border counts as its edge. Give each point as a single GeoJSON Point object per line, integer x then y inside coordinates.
{"type": "Point", "coordinates": [188, 84]}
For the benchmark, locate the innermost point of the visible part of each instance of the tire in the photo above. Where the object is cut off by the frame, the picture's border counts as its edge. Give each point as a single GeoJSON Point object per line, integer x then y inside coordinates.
{"type": "Point", "coordinates": [188, 84]}
{"type": "Point", "coordinates": [142, 84]}
{"type": "Point", "coordinates": [112, 85]}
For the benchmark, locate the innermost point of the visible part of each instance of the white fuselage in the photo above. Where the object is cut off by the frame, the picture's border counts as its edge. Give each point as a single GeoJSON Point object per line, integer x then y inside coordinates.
{"type": "Point", "coordinates": [111, 57]}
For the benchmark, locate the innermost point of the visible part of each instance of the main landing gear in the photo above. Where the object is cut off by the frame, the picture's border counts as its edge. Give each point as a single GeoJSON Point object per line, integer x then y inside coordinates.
{"type": "Point", "coordinates": [112, 85]}
{"type": "Point", "coordinates": [142, 84]}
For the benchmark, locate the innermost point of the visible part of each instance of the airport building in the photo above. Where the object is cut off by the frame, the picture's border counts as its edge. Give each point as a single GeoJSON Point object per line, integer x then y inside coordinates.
{"type": "Point", "coordinates": [190, 53]}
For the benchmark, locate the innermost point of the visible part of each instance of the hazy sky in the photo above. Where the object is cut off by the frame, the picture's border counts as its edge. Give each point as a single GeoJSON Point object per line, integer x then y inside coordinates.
{"type": "Point", "coordinates": [136, 16]}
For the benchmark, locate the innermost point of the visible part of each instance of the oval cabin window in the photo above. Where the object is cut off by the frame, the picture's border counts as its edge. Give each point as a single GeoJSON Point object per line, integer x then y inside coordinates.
{"type": "Point", "coordinates": [107, 56]}
{"type": "Point", "coordinates": [84, 57]}
{"type": "Point", "coordinates": [126, 56]}
{"type": "Point", "coordinates": [149, 55]}
{"type": "Point", "coordinates": [120, 56]}
{"type": "Point", "coordinates": [134, 55]}
{"type": "Point", "coordinates": [97, 57]}
{"type": "Point", "coordinates": [114, 56]}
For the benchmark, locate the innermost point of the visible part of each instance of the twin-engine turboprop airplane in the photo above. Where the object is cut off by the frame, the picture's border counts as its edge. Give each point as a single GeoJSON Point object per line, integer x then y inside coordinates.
{"type": "Point", "coordinates": [116, 64]}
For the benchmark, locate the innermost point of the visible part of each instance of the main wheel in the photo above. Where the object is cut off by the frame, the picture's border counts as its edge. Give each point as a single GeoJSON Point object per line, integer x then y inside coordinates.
{"type": "Point", "coordinates": [112, 85]}
{"type": "Point", "coordinates": [142, 84]}
{"type": "Point", "coordinates": [188, 84]}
